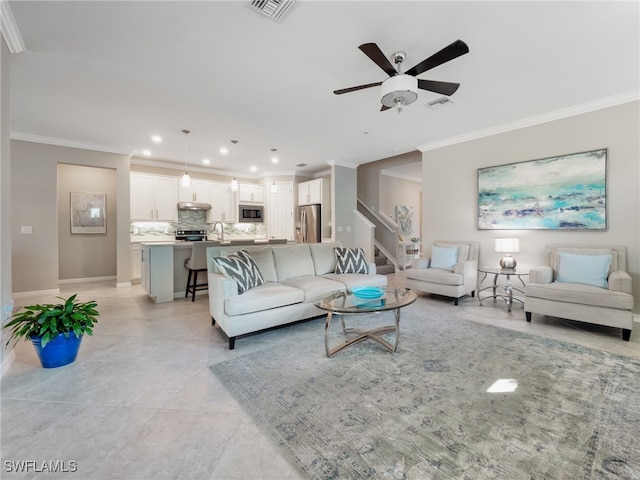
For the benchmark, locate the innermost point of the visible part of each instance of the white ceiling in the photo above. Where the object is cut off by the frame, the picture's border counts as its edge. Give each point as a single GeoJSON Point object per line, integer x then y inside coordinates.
{"type": "Point", "coordinates": [107, 75]}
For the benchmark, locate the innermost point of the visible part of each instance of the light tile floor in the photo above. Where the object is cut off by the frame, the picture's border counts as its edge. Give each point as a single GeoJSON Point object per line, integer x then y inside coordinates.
{"type": "Point", "coordinates": [141, 403]}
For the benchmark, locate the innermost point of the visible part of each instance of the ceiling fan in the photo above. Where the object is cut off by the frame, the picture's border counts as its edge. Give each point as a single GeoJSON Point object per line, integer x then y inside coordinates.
{"type": "Point", "coordinates": [401, 89]}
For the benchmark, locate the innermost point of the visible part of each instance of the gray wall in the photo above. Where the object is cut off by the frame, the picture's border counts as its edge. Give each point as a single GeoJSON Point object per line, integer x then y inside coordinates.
{"type": "Point", "coordinates": [343, 203]}
{"type": "Point", "coordinates": [369, 186]}
{"type": "Point", "coordinates": [86, 255]}
{"type": "Point", "coordinates": [399, 191]}
{"type": "Point", "coordinates": [450, 184]}
{"type": "Point", "coordinates": [35, 204]}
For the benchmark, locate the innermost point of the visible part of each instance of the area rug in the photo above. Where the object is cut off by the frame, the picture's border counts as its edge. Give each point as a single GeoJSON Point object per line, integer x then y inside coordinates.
{"type": "Point", "coordinates": [425, 412]}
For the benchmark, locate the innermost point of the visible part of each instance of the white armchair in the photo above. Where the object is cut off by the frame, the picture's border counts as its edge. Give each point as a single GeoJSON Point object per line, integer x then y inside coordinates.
{"type": "Point", "coordinates": [451, 270]}
{"type": "Point", "coordinates": [603, 298]}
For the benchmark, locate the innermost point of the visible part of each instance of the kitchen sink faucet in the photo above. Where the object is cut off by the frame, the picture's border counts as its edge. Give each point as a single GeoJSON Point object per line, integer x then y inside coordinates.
{"type": "Point", "coordinates": [221, 234]}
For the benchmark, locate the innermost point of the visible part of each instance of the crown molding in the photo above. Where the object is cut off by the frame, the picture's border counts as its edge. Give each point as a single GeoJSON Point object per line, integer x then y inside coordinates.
{"type": "Point", "coordinates": [10, 31]}
{"type": "Point", "coordinates": [340, 163]}
{"type": "Point", "coordinates": [62, 142]}
{"type": "Point", "coordinates": [600, 104]}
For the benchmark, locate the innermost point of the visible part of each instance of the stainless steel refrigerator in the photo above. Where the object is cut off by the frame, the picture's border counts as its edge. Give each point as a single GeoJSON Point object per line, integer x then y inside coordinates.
{"type": "Point", "coordinates": [308, 224]}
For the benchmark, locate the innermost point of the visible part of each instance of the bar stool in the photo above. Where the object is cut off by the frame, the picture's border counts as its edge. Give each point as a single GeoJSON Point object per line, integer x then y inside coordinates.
{"type": "Point", "coordinates": [196, 264]}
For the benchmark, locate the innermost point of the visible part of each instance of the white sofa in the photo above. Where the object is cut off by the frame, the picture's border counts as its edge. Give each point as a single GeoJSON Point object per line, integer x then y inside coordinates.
{"type": "Point", "coordinates": [608, 305]}
{"type": "Point", "coordinates": [295, 276]}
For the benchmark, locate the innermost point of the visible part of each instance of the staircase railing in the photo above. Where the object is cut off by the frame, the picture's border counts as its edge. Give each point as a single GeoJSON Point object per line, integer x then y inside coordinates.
{"type": "Point", "coordinates": [386, 232]}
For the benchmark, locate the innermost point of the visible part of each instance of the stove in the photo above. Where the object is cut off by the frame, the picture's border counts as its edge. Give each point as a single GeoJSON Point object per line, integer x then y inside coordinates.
{"type": "Point", "coordinates": [191, 235]}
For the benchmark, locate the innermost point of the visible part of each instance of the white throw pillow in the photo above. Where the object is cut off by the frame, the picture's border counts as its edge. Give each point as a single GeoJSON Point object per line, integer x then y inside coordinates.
{"type": "Point", "coordinates": [444, 257]}
{"type": "Point", "coordinates": [587, 269]}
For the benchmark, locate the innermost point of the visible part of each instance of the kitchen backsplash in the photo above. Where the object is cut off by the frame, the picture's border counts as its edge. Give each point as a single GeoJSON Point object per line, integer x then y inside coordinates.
{"type": "Point", "coordinates": [196, 220]}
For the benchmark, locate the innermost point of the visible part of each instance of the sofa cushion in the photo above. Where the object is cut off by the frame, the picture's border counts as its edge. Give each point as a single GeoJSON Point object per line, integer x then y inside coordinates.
{"type": "Point", "coordinates": [435, 275]}
{"type": "Point", "coordinates": [264, 260]}
{"type": "Point", "coordinates": [581, 294]}
{"type": "Point", "coordinates": [241, 268]}
{"type": "Point", "coordinates": [351, 280]}
{"type": "Point", "coordinates": [314, 287]}
{"type": "Point", "coordinates": [587, 269]}
{"type": "Point", "coordinates": [264, 297]}
{"type": "Point", "coordinates": [293, 261]}
{"type": "Point", "coordinates": [443, 257]}
{"type": "Point", "coordinates": [350, 260]}
{"type": "Point", "coordinates": [324, 258]}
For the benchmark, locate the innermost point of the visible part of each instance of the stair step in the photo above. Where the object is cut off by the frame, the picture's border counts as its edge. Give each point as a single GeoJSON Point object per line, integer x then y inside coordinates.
{"type": "Point", "coordinates": [385, 269]}
{"type": "Point", "coordinates": [380, 260]}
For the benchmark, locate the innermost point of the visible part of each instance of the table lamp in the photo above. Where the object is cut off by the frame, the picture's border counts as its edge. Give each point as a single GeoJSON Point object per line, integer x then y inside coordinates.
{"type": "Point", "coordinates": [507, 246]}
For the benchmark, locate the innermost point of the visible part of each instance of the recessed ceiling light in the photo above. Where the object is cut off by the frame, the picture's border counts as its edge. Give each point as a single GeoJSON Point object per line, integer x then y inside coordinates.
{"type": "Point", "coordinates": [156, 138]}
{"type": "Point", "coordinates": [253, 168]}
{"type": "Point", "coordinates": [223, 150]}
{"type": "Point", "coordinates": [274, 160]}
{"type": "Point", "coordinates": [146, 153]}
{"type": "Point", "coordinates": [206, 161]}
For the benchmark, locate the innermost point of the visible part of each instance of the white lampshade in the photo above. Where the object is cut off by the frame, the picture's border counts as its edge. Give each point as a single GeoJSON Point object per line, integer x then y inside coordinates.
{"type": "Point", "coordinates": [507, 245]}
{"type": "Point", "coordinates": [234, 185]}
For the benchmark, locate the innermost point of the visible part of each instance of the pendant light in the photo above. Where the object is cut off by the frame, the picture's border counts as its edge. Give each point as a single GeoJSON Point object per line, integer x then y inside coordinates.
{"type": "Point", "coordinates": [186, 180]}
{"type": "Point", "coordinates": [234, 182]}
{"type": "Point", "coordinates": [274, 188]}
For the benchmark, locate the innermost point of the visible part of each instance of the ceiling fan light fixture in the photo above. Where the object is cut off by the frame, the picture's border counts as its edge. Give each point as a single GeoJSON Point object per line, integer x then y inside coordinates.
{"type": "Point", "coordinates": [399, 90]}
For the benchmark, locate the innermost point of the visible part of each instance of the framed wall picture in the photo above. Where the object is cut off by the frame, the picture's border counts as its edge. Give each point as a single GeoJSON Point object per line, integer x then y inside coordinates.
{"type": "Point", "coordinates": [88, 212]}
{"type": "Point", "coordinates": [404, 218]}
{"type": "Point", "coordinates": [567, 192]}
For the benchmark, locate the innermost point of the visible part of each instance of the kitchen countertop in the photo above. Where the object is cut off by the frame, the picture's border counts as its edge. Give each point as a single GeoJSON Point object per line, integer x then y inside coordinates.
{"type": "Point", "coordinates": [236, 242]}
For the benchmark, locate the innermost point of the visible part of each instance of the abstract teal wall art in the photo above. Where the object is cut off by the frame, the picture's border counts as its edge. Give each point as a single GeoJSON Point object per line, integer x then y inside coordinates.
{"type": "Point", "coordinates": [558, 193]}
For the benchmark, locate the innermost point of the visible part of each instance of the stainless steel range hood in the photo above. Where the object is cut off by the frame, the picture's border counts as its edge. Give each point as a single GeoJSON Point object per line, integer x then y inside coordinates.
{"type": "Point", "coordinates": [193, 206]}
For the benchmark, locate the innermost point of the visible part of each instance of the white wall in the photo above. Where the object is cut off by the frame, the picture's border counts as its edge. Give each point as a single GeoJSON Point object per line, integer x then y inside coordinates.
{"type": "Point", "coordinates": [450, 190]}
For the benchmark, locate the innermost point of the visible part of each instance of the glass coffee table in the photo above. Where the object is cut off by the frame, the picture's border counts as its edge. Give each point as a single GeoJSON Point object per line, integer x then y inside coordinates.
{"type": "Point", "coordinates": [346, 303]}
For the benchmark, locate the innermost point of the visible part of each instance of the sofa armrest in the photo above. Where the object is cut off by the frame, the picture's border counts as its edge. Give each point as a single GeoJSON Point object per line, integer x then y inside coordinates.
{"type": "Point", "coordinates": [220, 288]}
{"type": "Point", "coordinates": [541, 274]}
{"type": "Point", "coordinates": [466, 268]}
{"type": "Point", "coordinates": [421, 263]}
{"type": "Point", "coordinates": [620, 281]}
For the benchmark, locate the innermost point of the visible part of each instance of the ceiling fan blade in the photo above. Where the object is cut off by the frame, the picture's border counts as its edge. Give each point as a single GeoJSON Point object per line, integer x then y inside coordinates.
{"type": "Point", "coordinates": [384, 107]}
{"type": "Point", "coordinates": [445, 88]}
{"type": "Point", "coordinates": [372, 51]}
{"type": "Point", "coordinates": [359, 87]}
{"type": "Point", "coordinates": [449, 52]}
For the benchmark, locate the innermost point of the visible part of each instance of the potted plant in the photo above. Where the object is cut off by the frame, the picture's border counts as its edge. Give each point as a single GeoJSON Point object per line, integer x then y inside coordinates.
{"type": "Point", "coordinates": [55, 330]}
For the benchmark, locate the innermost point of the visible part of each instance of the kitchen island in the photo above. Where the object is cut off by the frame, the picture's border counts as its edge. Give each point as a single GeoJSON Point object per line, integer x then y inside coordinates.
{"type": "Point", "coordinates": [163, 274]}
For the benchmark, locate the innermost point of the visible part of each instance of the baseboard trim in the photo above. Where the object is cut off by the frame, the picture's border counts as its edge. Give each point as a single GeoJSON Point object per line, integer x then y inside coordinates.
{"type": "Point", "coordinates": [123, 284]}
{"type": "Point", "coordinates": [53, 291]}
{"type": "Point", "coordinates": [86, 279]}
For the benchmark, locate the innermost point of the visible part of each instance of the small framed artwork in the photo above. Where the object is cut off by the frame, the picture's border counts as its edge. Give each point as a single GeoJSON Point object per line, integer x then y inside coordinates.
{"type": "Point", "coordinates": [567, 192]}
{"type": "Point", "coordinates": [88, 212]}
{"type": "Point", "coordinates": [404, 218]}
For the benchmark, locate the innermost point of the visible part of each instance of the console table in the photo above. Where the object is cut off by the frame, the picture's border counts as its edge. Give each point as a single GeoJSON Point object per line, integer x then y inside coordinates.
{"type": "Point", "coordinates": [507, 296]}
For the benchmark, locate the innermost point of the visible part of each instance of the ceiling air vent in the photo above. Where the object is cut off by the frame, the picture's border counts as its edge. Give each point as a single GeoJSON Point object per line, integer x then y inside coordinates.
{"type": "Point", "coordinates": [301, 164]}
{"type": "Point", "coordinates": [274, 9]}
{"type": "Point", "coordinates": [440, 103]}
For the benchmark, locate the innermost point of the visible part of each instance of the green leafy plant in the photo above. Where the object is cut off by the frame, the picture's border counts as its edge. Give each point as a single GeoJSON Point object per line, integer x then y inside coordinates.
{"type": "Point", "coordinates": [50, 320]}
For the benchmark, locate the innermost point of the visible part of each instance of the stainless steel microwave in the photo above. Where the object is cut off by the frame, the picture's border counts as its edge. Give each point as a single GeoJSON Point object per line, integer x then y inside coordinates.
{"type": "Point", "coordinates": [251, 213]}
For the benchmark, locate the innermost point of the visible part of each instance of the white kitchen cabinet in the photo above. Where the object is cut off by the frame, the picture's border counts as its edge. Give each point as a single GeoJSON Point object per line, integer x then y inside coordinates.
{"type": "Point", "coordinates": [136, 261]}
{"type": "Point", "coordinates": [223, 203]}
{"type": "Point", "coordinates": [250, 193]}
{"type": "Point", "coordinates": [197, 191]}
{"type": "Point", "coordinates": [157, 271]}
{"type": "Point", "coordinates": [313, 191]}
{"type": "Point", "coordinates": [154, 197]}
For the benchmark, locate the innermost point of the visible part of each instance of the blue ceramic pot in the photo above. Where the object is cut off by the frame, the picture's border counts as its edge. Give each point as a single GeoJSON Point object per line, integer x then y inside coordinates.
{"type": "Point", "coordinates": [59, 351]}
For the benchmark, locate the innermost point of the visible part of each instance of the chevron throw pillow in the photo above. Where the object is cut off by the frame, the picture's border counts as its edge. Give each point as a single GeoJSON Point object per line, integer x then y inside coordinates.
{"type": "Point", "coordinates": [241, 268]}
{"type": "Point", "coordinates": [350, 260]}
